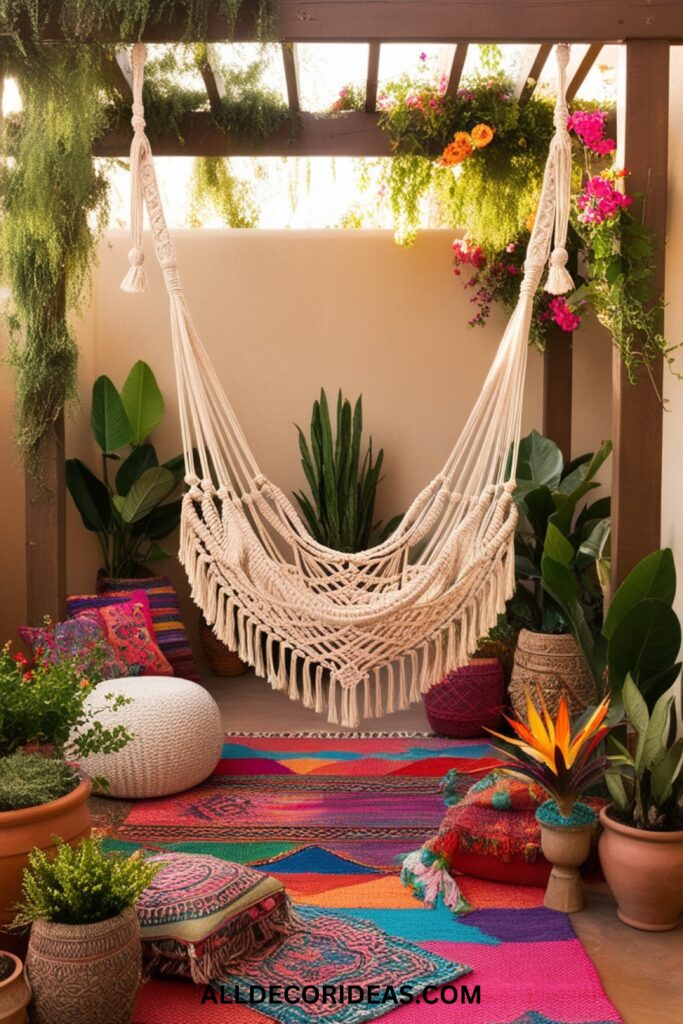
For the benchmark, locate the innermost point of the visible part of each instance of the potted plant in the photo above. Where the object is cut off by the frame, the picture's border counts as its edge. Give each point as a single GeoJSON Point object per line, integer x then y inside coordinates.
{"type": "Point", "coordinates": [551, 527]}
{"type": "Point", "coordinates": [15, 992]}
{"type": "Point", "coordinates": [84, 954]}
{"type": "Point", "coordinates": [563, 759]}
{"type": "Point", "coordinates": [641, 846]}
{"type": "Point", "coordinates": [128, 508]}
{"type": "Point", "coordinates": [42, 796]}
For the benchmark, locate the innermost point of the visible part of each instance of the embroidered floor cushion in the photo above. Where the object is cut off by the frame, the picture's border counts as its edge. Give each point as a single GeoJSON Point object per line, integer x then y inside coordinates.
{"type": "Point", "coordinates": [201, 916]}
{"type": "Point", "coordinates": [129, 630]}
{"type": "Point", "coordinates": [82, 640]}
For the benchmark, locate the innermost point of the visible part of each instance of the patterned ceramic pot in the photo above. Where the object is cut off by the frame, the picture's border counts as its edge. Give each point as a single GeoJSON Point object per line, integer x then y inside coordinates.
{"type": "Point", "coordinates": [21, 831]}
{"type": "Point", "coordinates": [555, 662]}
{"type": "Point", "coordinates": [644, 870]}
{"type": "Point", "coordinates": [85, 974]}
{"type": "Point", "coordinates": [15, 993]}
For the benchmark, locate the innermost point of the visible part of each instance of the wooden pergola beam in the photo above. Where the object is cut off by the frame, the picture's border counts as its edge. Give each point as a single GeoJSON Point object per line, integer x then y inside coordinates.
{"type": "Point", "coordinates": [533, 62]}
{"type": "Point", "coordinates": [429, 21]}
{"type": "Point", "coordinates": [354, 133]}
{"type": "Point", "coordinates": [579, 74]}
{"type": "Point", "coordinates": [637, 426]}
{"type": "Point", "coordinates": [456, 69]}
{"type": "Point", "coordinates": [291, 65]}
{"type": "Point", "coordinates": [372, 78]}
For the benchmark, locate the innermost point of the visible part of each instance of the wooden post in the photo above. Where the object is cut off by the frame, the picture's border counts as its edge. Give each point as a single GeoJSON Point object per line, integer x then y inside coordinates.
{"type": "Point", "coordinates": [557, 389]}
{"type": "Point", "coordinates": [46, 532]}
{"type": "Point", "coordinates": [636, 409]}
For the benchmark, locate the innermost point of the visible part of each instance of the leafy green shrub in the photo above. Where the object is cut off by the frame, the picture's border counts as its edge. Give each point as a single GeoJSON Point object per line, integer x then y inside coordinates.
{"type": "Point", "coordinates": [43, 704]}
{"type": "Point", "coordinates": [81, 884]}
{"type": "Point", "coordinates": [343, 484]}
{"type": "Point", "coordinates": [28, 780]}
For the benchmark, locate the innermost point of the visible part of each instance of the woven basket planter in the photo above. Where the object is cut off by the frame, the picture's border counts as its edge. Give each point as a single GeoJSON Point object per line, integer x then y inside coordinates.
{"type": "Point", "coordinates": [467, 701]}
{"type": "Point", "coordinates": [221, 660]}
{"type": "Point", "coordinates": [86, 973]}
{"type": "Point", "coordinates": [556, 664]}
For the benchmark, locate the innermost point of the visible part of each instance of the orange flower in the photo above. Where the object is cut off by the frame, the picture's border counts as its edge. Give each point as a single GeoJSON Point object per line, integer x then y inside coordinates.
{"type": "Point", "coordinates": [84, 683]}
{"type": "Point", "coordinates": [531, 219]}
{"type": "Point", "coordinates": [456, 151]}
{"type": "Point", "coordinates": [481, 135]}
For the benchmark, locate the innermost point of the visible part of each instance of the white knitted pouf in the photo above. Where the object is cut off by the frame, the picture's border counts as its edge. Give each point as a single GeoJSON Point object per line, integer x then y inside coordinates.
{"type": "Point", "coordinates": [177, 736]}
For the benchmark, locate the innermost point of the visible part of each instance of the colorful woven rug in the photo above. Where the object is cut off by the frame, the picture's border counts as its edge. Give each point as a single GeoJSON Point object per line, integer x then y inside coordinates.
{"type": "Point", "coordinates": [330, 817]}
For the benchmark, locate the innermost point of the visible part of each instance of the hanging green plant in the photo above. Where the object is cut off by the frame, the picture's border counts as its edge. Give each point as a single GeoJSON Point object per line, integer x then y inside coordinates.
{"type": "Point", "coordinates": [54, 206]}
{"type": "Point", "coordinates": [215, 188]}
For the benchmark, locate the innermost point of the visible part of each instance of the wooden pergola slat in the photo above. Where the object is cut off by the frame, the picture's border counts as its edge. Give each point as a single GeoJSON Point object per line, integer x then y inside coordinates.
{"type": "Point", "coordinates": [533, 62]}
{"type": "Point", "coordinates": [372, 78]}
{"type": "Point", "coordinates": [456, 69]}
{"type": "Point", "coordinates": [291, 64]}
{"type": "Point", "coordinates": [212, 78]}
{"type": "Point", "coordinates": [580, 73]}
{"type": "Point", "coordinates": [429, 21]}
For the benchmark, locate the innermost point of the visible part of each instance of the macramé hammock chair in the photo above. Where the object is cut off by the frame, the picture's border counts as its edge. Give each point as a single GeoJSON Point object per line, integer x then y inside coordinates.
{"type": "Point", "coordinates": [392, 620]}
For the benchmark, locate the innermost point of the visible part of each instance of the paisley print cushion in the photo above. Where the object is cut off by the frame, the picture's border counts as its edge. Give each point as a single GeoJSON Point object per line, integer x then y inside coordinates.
{"type": "Point", "coordinates": [201, 916]}
{"type": "Point", "coordinates": [82, 640]}
{"type": "Point", "coordinates": [127, 628]}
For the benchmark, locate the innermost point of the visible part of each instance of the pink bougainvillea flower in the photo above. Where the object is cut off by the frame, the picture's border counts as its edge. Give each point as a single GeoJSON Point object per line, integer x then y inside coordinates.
{"type": "Point", "coordinates": [600, 200]}
{"type": "Point", "coordinates": [510, 247]}
{"type": "Point", "coordinates": [563, 315]}
{"type": "Point", "coordinates": [589, 126]}
{"type": "Point", "coordinates": [423, 56]}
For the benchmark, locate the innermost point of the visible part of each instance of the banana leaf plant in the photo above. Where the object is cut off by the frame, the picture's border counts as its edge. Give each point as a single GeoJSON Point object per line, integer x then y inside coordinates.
{"type": "Point", "coordinates": [548, 494]}
{"type": "Point", "coordinates": [340, 511]}
{"type": "Point", "coordinates": [128, 508]}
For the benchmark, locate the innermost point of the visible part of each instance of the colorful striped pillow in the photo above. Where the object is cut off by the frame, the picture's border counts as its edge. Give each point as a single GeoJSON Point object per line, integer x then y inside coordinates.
{"type": "Point", "coordinates": [169, 629]}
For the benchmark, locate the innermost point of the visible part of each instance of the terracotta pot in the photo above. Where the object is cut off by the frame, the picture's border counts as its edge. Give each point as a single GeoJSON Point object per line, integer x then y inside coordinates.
{"type": "Point", "coordinates": [556, 663]}
{"type": "Point", "coordinates": [15, 993]}
{"type": "Point", "coordinates": [644, 870]}
{"type": "Point", "coordinates": [566, 847]}
{"type": "Point", "coordinates": [85, 973]}
{"type": "Point", "coordinates": [21, 831]}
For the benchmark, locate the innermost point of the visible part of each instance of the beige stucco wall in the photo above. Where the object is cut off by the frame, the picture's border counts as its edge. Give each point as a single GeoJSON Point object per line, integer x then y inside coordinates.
{"type": "Point", "coordinates": [281, 314]}
{"type": "Point", "coordinates": [672, 469]}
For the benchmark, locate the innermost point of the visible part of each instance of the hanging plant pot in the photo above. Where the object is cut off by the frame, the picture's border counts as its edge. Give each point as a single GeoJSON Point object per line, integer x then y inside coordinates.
{"type": "Point", "coordinates": [566, 847]}
{"type": "Point", "coordinates": [21, 831]}
{"type": "Point", "coordinates": [222, 661]}
{"type": "Point", "coordinates": [85, 973]}
{"type": "Point", "coordinates": [556, 664]}
{"type": "Point", "coordinates": [15, 991]}
{"type": "Point", "coordinates": [644, 870]}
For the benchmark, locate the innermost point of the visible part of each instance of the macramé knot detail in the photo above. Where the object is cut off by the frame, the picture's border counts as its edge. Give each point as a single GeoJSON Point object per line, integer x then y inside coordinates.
{"type": "Point", "coordinates": [136, 256]}
{"type": "Point", "coordinates": [558, 257]}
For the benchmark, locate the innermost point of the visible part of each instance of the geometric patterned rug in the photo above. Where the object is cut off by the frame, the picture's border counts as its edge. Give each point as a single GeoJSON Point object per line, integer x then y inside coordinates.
{"type": "Point", "coordinates": [331, 817]}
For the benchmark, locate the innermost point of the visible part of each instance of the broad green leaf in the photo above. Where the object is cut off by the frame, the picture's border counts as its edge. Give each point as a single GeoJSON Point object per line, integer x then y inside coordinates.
{"type": "Point", "coordinates": [538, 507]}
{"type": "Point", "coordinates": [653, 686]}
{"type": "Point", "coordinates": [599, 509]}
{"type": "Point", "coordinates": [142, 401]}
{"type": "Point", "coordinates": [645, 642]}
{"type": "Point", "coordinates": [156, 554]}
{"type": "Point", "coordinates": [146, 493]}
{"type": "Point", "coordinates": [110, 423]}
{"type": "Point", "coordinates": [161, 521]}
{"type": "Point", "coordinates": [560, 582]}
{"type": "Point", "coordinates": [634, 706]}
{"type": "Point", "coordinates": [564, 515]}
{"type": "Point", "coordinates": [90, 496]}
{"type": "Point", "coordinates": [664, 772]}
{"type": "Point", "coordinates": [557, 546]}
{"type": "Point", "coordinates": [176, 466]}
{"type": "Point", "coordinates": [539, 459]}
{"type": "Point", "coordinates": [616, 789]}
{"type": "Point", "coordinates": [651, 743]}
{"type": "Point", "coordinates": [591, 549]}
{"type": "Point", "coordinates": [138, 461]}
{"type": "Point", "coordinates": [654, 577]}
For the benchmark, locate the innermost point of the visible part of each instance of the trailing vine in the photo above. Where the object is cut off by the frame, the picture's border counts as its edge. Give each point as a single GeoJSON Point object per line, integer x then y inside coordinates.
{"type": "Point", "coordinates": [216, 188]}
{"type": "Point", "coordinates": [49, 190]}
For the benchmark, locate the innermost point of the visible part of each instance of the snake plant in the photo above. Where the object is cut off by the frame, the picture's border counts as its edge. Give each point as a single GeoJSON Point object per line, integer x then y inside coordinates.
{"type": "Point", "coordinates": [340, 511]}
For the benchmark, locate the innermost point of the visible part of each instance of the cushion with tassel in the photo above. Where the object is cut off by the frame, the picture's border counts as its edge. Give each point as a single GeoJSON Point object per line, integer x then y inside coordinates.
{"type": "Point", "coordinates": [201, 916]}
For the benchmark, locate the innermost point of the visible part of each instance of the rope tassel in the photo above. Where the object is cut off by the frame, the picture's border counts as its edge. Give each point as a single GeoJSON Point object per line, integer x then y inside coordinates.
{"type": "Point", "coordinates": [135, 280]}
